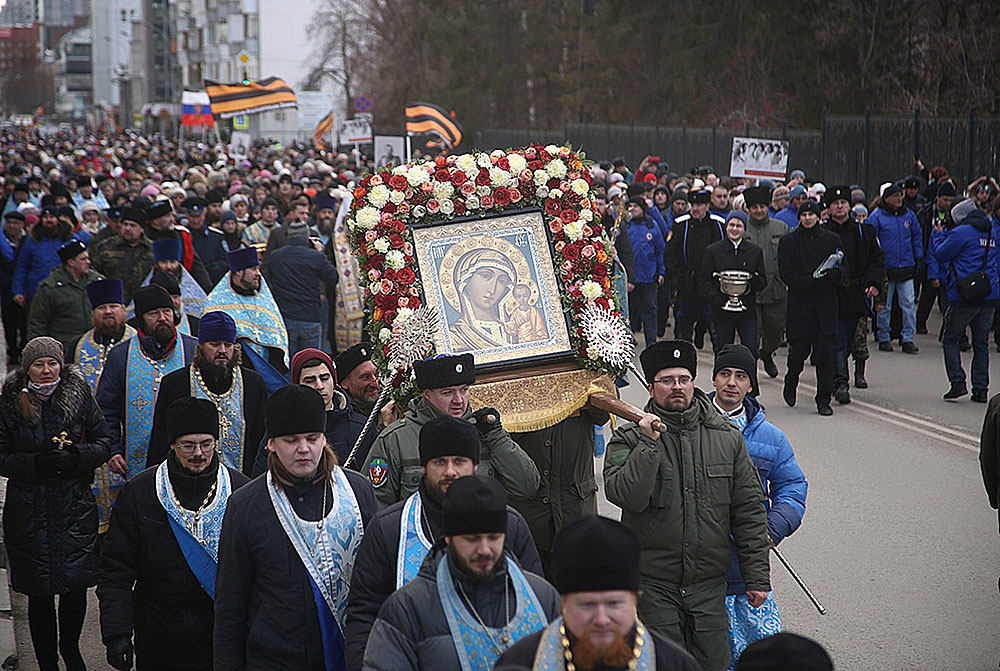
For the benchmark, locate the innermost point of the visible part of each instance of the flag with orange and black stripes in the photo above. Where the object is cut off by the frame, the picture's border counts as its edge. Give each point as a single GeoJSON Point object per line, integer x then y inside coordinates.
{"type": "Point", "coordinates": [427, 118]}
{"type": "Point", "coordinates": [229, 100]}
{"type": "Point", "coordinates": [323, 129]}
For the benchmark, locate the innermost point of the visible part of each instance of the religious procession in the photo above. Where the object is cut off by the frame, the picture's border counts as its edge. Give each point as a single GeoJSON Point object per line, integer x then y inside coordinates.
{"type": "Point", "coordinates": [494, 400]}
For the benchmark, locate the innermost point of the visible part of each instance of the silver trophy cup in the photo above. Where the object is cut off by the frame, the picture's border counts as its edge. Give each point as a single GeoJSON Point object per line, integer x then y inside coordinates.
{"type": "Point", "coordinates": [733, 283]}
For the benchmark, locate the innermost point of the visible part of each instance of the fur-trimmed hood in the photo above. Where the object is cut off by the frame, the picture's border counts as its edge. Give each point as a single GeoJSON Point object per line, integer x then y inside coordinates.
{"type": "Point", "coordinates": [68, 397]}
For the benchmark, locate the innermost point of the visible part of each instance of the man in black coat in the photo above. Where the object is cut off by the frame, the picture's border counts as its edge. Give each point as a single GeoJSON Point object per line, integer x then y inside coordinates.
{"type": "Point", "coordinates": [812, 318]}
{"type": "Point", "coordinates": [215, 373]}
{"type": "Point", "coordinates": [304, 518]}
{"type": "Point", "coordinates": [597, 570]}
{"type": "Point", "coordinates": [733, 253]}
{"type": "Point", "coordinates": [159, 558]}
{"type": "Point", "coordinates": [314, 368]}
{"type": "Point", "coordinates": [449, 449]}
{"type": "Point", "coordinates": [691, 234]}
{"type": "Point", "coordinates": [862, 277]}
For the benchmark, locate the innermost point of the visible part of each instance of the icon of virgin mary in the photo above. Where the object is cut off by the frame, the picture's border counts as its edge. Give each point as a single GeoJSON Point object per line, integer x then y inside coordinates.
{"type": "Point", "coordinates": [483, 277]}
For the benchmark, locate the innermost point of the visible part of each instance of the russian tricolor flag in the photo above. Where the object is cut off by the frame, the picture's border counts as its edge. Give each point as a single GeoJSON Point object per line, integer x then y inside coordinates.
{"type": "Point", "coordinates": [196, 109]}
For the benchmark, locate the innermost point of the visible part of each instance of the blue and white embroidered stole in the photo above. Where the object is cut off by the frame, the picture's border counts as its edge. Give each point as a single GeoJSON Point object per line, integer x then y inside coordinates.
{"type": "Point", "coordinates": [475, 647]}
{"type": "Point", "coordinates": [143, 376]}
{"type": "Point", "coordinates": [232, 426]}
{"type": "Point", "coordinates": [413, 542]}
{"type": "Point", "coordinates": [551, 657]}
{"type": "Point", "coordinates": [197, 536]}
{"type": "Point", "coordinates": [257, 317]}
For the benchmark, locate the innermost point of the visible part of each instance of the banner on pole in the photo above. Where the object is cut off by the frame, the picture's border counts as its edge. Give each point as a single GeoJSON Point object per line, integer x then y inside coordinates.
{"type": "Point", "coordinates": [759, 157]}
{"type": "Point", "coordinates": [228, 100]}
{"type": "Point", "coordinates": [356, 131]}
{"type": "Point", "coordinates": [196, 110]}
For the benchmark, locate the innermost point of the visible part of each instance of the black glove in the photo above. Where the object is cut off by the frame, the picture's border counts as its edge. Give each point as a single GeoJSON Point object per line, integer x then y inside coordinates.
{"type": "Point", "coordinates": [487, 419]}
{"type": "Point", "coordinates": [57, 463]}
{"type": "Point", "coordinates": [120, 653]}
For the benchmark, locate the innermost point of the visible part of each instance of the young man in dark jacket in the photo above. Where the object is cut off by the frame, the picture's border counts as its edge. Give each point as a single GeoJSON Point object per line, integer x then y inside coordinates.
{"type": "Point", "coordinates": [297, 272]}
{"type": "Point", "coordinates": [733, 253]}
{"type": "Point", "coordinates": [862, 279]}
{"type": "Point", "coordinates": [899, 235]}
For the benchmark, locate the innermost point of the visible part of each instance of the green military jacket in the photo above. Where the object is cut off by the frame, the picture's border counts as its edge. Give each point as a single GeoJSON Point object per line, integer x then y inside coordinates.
{"type": "Point", "coordinates": [766, 236]}
{"type": "Point", "coordinates": [115, 258]}
{"type": "Point", "coordinates": [394, 460]}
{"type": "Point", "coordinates": [60, 307]}
{"type": "Point", "coordinates": [684, 493]}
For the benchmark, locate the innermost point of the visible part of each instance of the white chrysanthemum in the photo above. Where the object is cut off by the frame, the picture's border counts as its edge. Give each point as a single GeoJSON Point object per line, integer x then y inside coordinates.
{"type": "Point", "coordinates": [381, 245]}
{"type": "Point", "coordinates": [385, 335]}
{"type": "Point", "coordinates": [499, 177]}
{"type": "Point", "coordinates": [574, 230]}
{"type": "Point", "coordinates": [517, 163]}
{"type": "Point", "coordinates": [379, 195]}
{"type": "Point", "coordinates": [483, 160]}
{"type": "Point", "coordinates": [396, 197]}
{"type": "Point", "coordinates": [403, 314]}
{"type": "Point", "coordinates": [591, 290]}
{"type": "Point", "coordinates": [579, 187]}
{"type": "Point", "coordinates": [556, 168]}
{"type": "Point", "coordinates": [443, 190]}
{"type": "Point", "coordinates": [586, 215]}
{"type": "Point", "coordinates": [555, 193]}
{"type": "Point", "coordinates": [542, 192]}
{"type": "Point", "coordinates": [400, 169]}
{"type": "Point", "coordinates": [419, 211]}
{"type": "Point", "coordinates": [447, 206]}
{"type": "Point", "coordinates": [472, 202]}
{"type": "Point", "coordinates": [367, 217]}
{"type": "Point", "coordinates": [483, 191]}
{"type": "Point", "coordinates": [552, 149]}
{"type": "Point", "coordinates": [416, 176]}
{"type": "Point", "coordinates": [540, 177]}
{"type": "Point", "coordinates": [394, 259]}
{"type": "Point", "coordinates": [467, 164]}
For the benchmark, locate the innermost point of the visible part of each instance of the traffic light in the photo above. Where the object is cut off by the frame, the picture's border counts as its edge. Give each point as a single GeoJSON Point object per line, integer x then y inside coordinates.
{"type": "Point", "coordinates": [246, 80]}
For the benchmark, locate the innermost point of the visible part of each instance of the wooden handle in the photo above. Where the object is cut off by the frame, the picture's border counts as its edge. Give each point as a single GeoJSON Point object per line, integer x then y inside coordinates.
{"type": "Point", "coordinates": [609, 403]}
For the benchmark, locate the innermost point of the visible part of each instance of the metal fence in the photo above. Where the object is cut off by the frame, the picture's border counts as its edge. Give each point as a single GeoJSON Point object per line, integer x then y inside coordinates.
{"type": "Point", "coordinates": [866, 150]}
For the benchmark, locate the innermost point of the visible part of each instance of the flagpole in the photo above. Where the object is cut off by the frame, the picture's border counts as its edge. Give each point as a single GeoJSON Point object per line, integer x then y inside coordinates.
{"type": "Point", "coordinates": [408, 157]}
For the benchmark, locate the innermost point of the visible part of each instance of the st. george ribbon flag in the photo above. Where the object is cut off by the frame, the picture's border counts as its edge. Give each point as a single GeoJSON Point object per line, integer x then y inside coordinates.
{"type": "Point", "coordinates": [229, 100]}
{"type": "Point", "coordinates": [424, 118]}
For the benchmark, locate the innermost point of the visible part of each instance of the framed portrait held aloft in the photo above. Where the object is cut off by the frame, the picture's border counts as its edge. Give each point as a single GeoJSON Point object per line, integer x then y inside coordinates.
{"type": "Point", "coordinates": [500, 254]}
{"type": "Point", "coordinates": [492, 282]}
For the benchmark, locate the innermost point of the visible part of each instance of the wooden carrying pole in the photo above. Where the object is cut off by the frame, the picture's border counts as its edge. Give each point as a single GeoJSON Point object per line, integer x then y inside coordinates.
{"type": "Point", "coordinates": [603, 400]}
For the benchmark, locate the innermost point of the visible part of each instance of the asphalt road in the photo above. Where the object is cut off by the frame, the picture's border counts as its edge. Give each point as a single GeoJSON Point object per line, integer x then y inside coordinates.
{"type": "Point", "coordinates": [898, 541]}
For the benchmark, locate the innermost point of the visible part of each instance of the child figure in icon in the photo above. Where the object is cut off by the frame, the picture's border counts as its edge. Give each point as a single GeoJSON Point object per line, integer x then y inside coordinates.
{"type": "Point", "coordinates": [525, 322]}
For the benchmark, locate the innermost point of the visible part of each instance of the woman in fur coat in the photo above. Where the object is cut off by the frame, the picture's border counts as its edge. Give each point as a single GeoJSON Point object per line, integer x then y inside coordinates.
{"type": "Point", "coordinates": [52, 437]}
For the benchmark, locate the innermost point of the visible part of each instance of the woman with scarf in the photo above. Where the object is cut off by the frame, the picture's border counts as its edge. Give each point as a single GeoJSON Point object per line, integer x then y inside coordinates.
{"type": "Point", "coordinates": [52, 437]}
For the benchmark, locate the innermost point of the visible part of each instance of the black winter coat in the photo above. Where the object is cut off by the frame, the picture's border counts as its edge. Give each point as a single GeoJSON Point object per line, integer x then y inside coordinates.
{"type": "Point", "coordinates": [689, 239]}
{"type": "Point", "coordinates": [265, 616]}
{"type": "Point", "coordinates": [812, 304]}
{"type": "Point", "coordinates": [50, 521]}
{"type": "Point", "coordinates": [299, 274]}
{"type": "Point", "coordinates": [146, 585]}
{"type": "Point", "coordinates": [863, 266]}
{"type": "Point", "coordinates": [722, 255]}
{"type": "Point", "coordinates": [374, 577]}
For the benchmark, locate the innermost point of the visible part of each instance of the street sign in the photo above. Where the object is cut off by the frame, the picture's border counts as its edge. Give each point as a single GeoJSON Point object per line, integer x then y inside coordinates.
{"type": "Point", "coordinates": [243, 57]}
{"type": "Point", "coordinates": [362, 104]}
{"type": "Point", "coordinates": [241, 122]}
{"type": "Point", "coordinates": [356, 131]}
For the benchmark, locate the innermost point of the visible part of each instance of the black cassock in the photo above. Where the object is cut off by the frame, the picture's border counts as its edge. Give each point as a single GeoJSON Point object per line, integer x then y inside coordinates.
{"type": "Point", "coordinates": [145, 583]}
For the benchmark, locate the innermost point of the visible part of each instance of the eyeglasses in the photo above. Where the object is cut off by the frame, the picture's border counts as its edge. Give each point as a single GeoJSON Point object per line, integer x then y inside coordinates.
{"type": "Point", "coordinates": [679, 381]}
{"type": "Point", "coordinates": [189, 448]}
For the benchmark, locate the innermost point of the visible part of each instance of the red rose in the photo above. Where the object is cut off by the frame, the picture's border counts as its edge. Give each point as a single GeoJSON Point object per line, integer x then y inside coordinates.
{"type": "Point", "coordinates": [366, 181]}
{"type": "Point", "coordinates": [535, 165]}
{"type": "Point", "coordinates": [568, 215]}
{"type": "Point", "coordinates": [386, 301]}
{"type": "Point", "coordinates": [459, 207]}
{"type": "Point", "coordinates": [389, 208]}
{"type": "Point", "coordinates": [552, 207]}
{"type": "Point", "coordinates": [406, 276]}
{"type": "Point", "coordinates": [600, 269]}
{"type": "Point", "coordinates": [359, 193]}
{"type": "Point", "coordinates": [515, 195]}
{"type": "Point", "coordinates": [529, 153]}
{"type": "Point", "coordinates": [398, 182]}
{"type": "Point", "coordinates": [440, 161]}
{"type": "Point", "coordinates": [554, 183]}
{"type": "Point", "coordinates": [603, 303]}
{"type": "Point", "coordinates": [486, 201]}
{"type": "Point", "coordinates": [503, 163]}
{"type": "Point", "coordinates": [414, 302]}
{"type": "Point", "coordinates": [389, 274]}
{"type": "Point", "coordinates": [374, 261]}
{"type": "Point", "coordinates": [502, 196]}
{"type": "Point", "coordinates": [442, 175]}
{"type": "Point", "coordinates": [571, 252]}
{"type": "Point", "coordinates": [483, 178]}
{"type": "Point", "coordinates": [397, 225]}
{"type": "Point", "coordinates": [544, 155]}
{"type": "Point", "coordinates": [388, 315]}
{"type": "Point", "coordinates": [457, 178]}
{"type": "Point", "coordinates": [396, 240]}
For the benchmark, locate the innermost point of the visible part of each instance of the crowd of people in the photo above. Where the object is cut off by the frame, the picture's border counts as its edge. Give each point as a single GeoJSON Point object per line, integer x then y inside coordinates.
{"type": "Point", "coordinates": [184, 423]}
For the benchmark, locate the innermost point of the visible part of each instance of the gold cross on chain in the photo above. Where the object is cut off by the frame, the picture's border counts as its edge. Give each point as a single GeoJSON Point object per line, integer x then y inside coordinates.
{"type": "Point", "coordinates": [61, 441]}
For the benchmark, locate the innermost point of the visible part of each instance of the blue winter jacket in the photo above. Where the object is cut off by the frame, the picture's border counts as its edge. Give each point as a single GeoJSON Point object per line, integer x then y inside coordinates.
{"type": "Point", "coordinates": [959, 252]}
{"type": "Point", "coordinates": [789, 215]}
{"type": "Point", "coordinates": [899, 235]}
{"type": "Point", "coordinates": [772, 454]}
{"type": "Point", "coordinates": [648, 245]}
{"type": "Point", "coordinates": [34, 263]}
